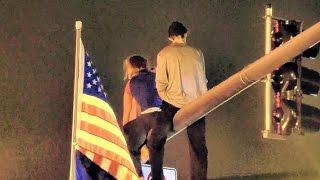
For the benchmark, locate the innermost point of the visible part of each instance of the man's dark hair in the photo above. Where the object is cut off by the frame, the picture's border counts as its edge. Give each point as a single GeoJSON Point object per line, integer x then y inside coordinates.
{"type": "Point", "coordinates": [138, 62]}
{"type": "Point", "coordinates": [177, 28]}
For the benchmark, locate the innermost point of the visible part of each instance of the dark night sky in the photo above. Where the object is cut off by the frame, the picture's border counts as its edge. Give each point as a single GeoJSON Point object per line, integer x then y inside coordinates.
{"type": "Point", "coordinates": [37, 57]}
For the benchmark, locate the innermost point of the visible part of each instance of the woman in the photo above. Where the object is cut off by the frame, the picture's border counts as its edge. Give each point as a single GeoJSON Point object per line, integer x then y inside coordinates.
{"type": "Point", "coordinates": [141, 104]}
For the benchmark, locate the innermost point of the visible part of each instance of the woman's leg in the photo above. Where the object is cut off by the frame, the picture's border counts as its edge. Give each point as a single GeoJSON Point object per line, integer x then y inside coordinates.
{"type": "Point", "coordinates": [136, 138]}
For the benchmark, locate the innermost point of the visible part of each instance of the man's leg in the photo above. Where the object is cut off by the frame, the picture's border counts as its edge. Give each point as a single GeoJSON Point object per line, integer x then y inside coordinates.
{"type": "Point", "coordinates": [158, 137]}
{"type": "Point", "coordinates": [198, 150]}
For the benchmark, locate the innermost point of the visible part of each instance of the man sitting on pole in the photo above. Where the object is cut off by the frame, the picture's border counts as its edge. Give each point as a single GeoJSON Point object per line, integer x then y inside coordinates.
{"type": "Point", "coordinates": [180, 78]}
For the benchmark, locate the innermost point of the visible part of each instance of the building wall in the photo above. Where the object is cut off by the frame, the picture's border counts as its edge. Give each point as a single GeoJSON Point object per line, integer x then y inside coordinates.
{"type": "Point", "coordinates": [37, 62]}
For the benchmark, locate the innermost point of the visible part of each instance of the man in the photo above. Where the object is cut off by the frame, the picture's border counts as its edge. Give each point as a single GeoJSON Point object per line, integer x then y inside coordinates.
{"type": "Point", "coordinates": [180, 78]}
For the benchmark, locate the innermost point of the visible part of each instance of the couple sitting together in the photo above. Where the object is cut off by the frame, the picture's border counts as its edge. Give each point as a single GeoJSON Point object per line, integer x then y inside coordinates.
{"type": "Point", "coordinates": [151, 99]}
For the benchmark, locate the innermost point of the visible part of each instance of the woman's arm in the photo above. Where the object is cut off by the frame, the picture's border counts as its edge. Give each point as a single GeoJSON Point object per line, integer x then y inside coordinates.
{"type": "Point", "coordinates": [127, 104]}
{"type": "Point", "coordinates": [135, 109]}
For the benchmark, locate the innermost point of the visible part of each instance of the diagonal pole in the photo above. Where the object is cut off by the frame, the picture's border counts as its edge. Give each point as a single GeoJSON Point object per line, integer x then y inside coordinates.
{"type": "Point", "coordinates": [252, 73]}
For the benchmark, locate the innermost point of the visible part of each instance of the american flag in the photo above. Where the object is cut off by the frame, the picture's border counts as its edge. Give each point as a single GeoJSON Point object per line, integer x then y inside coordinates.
{"type": "Point", "coordinates": [98, 135]}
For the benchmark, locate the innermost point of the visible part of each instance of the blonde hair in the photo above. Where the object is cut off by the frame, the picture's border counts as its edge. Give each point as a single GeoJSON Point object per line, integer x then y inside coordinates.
{"type": "Point", "coordinates": [125, 68]}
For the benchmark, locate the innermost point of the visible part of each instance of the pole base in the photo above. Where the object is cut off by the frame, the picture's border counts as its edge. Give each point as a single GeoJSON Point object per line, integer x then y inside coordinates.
{"type": "Point", "coordinates": [266, 134]}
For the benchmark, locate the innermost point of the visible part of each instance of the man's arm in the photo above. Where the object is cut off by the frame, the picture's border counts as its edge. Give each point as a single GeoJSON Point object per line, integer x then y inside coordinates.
{"type": "Point", "coordinates": [203, 65]}
{"type": "Point", "coordinates": [162, 77]}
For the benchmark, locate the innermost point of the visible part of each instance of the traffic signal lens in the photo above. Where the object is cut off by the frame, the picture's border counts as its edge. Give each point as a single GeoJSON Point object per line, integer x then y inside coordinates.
{"type": "Point", "coordinates": [312, 52]}
{"type": "Point", "coordinates": [310, 81]}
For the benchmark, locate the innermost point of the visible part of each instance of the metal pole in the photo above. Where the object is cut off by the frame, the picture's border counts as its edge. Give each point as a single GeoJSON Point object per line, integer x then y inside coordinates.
{"type": "Point", "coordinates": [268, 90]}
{"type": "Point", "coordinates": [298, 96]}
{"type": "Point", "coordinates": [244, 78]}
{"type": "Point", "coordinates": [78, 26]}
{"type": "Point", "coordinates": [298, 93]}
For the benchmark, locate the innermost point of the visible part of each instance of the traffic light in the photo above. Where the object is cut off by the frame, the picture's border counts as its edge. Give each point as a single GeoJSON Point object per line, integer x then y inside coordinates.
{"type": "Point", "coordinates": [290, 82]}
{"type": "Point", "coordinates": [310, 81]}
{"type": "Point", "coordinates": [312, 52]}
{"type": "Point", "coordinates": [284, 30]}
{"type": "Point", "coordinates": [310, 117]}
{"type": "Point", "coordinates": [285, 78]}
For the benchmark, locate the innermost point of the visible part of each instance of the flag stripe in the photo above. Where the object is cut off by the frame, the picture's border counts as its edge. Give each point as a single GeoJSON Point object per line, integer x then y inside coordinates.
{"type": "Point", "coordinates": [107, 135]}
{"type": "Point", "coordinates": [129, 176]}
{"type": "Point", "coordinates": [98, 103]}
{"type": "Point", "coordinates": [114, 167]}
{"type": "Point", "coordinates": [106, 125]}
{"type": "Point", "coordinates": [98, 151]}
{"type": "Point", "coordinates": [97, 159]}
{"type": "Point", "coordinates": [105, 164]}
{"type": "Point", "coordinates": [98, 112]}
{"type": "Point", "coordinates": [102, 149]}
{"type": "Point", "coordinates": [102, 143]}
{"type": "Point", "coordinates": [122, 173]}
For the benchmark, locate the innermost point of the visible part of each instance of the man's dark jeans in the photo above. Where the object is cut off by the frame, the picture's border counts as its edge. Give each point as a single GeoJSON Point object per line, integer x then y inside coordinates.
{"type": "Point", "coordinates": [136, 133]}
{"type": "Point", "coordinates": [197, 144]}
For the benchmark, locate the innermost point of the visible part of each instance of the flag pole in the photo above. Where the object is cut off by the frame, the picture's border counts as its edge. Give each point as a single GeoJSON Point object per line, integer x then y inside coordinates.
{"type": "Point", "coordinates": [268, 80]}
{"type": "Point", "coordinates": [78, 26]}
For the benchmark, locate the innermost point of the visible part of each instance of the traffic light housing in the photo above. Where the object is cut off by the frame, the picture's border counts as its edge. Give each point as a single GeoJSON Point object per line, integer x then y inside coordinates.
{"type": "Point", "coordinates": [310, 117]}
{"type": "Point", "coordinates": [290, 81]}
{"type": "Point", "coordinates": [312, 52]}
{"type": "Point", "coordinates": [286, 77]}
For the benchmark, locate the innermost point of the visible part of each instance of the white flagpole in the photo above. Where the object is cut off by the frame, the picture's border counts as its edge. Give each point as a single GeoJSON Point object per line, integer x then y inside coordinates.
{"type": "Point", "coordinates": [78, 26]}
{"type": "Point", "coordinates": [268, 85]}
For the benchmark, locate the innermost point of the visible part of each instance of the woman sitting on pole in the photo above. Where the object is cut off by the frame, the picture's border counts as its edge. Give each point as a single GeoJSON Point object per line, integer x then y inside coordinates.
{"type": "Point", "coordinates": [141, 104]}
